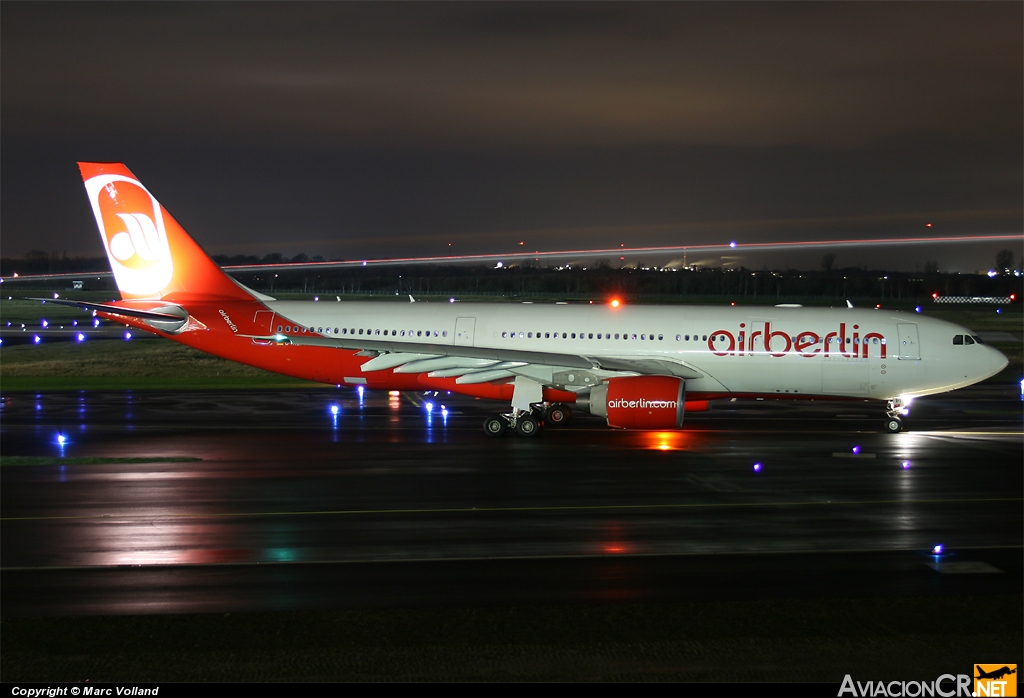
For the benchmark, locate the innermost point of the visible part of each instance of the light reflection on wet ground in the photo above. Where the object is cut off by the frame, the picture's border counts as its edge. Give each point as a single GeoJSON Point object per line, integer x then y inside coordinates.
{"type": "Point", "coordinates": [283, 479]}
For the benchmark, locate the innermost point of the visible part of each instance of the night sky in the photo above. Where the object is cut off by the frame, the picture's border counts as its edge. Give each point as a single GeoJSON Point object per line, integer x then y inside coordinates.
{"type": "Point", "coordinates": [364, 130]}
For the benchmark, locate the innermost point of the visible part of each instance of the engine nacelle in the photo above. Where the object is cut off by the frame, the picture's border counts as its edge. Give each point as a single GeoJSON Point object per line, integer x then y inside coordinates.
{"type": "Point", "coordinates": [640, 402]}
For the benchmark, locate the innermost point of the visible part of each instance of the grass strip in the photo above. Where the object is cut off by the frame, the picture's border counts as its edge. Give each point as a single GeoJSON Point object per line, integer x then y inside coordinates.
{"type": "Point", "coordinates": [90, 460]}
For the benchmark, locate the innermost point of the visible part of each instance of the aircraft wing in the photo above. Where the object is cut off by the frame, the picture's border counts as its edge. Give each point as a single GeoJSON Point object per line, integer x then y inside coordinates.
{"type": "Point", "coordinates": [480, 364]}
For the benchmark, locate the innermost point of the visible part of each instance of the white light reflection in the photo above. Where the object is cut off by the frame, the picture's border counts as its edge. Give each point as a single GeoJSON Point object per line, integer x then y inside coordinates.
{"type": "Point", "coordinates": [908, 449]}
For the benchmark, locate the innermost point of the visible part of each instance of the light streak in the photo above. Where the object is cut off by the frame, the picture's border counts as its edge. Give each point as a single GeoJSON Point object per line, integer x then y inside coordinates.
{"type": "Point", "coordinates": [597, 252]}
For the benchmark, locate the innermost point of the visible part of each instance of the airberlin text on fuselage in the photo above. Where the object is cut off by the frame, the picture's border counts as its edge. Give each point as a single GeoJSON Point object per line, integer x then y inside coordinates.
{"type": "Point", "coordinates": [227, 319]}
{"type": "Point", "coordinates": [807, 344]}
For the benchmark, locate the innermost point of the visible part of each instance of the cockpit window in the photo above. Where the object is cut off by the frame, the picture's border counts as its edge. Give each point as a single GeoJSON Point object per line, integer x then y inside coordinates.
{"type": "Point", "coordinates": [958, 339]}
{"type": "Point", "coordinates": [976, 339]}
{"type": "Point", "coordinates": [967, 339]}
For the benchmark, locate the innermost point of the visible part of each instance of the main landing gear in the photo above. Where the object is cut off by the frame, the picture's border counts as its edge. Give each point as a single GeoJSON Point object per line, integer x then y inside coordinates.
{"type": "Point", "coordinates": [894, 409]}
{"type": "Point", "coordinates": [527, 423]}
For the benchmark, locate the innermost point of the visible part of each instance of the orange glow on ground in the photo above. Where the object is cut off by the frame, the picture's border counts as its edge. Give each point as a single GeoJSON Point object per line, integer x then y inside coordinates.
{"type": "Point", "coordinates": [664, 440]}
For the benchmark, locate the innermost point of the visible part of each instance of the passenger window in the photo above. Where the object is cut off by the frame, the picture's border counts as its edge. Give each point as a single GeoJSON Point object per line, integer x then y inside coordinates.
{"type": "Point", "coordinates": [678, 337]}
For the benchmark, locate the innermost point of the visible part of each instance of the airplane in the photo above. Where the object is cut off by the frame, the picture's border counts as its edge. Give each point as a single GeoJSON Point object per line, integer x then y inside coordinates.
{"type": "Point", "coordinates": [995, 673]}
{"type": "Point", "coordinates": [638, 367]}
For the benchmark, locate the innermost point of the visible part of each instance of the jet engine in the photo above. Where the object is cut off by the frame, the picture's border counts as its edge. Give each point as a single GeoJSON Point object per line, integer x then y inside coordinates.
{"type": "Point", "coordinates": [641, 402]}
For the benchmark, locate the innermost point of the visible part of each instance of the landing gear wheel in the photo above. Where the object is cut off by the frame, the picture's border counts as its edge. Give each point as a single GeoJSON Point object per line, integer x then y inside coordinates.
{"type": "Point", "coordinates": [894, 425]}
{"type": "Point", "coordinates": [495, 425]}
{"type": "Point", "coordinates": [527, 425]}
{"type": "Point", "coordinates": [558, 415]}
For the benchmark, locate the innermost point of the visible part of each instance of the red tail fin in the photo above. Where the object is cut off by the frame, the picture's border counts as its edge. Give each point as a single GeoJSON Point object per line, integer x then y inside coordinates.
{"type": "Point", "coordinates": [152, 257]}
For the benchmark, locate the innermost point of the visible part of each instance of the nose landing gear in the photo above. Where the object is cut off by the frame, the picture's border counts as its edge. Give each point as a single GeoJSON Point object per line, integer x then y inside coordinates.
{"type": "Point", "coordinates": [894, 408]}
{"type": "Point", "coordinates": [894, 425]}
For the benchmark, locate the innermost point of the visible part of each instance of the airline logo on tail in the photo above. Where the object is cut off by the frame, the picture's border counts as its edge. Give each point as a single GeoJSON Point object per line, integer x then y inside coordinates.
{"type": "Point", "coordinates": [131, 224]}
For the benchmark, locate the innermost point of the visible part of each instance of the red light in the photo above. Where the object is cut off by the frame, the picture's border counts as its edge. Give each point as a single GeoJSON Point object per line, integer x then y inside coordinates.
{"type": "Point", "coordinates": [1013, 296]}
{"type": "Point", "coordinates": [935, 295]}
{"type": "Point", "coordinates": [615, 303]}
{"type": "Point", "coordinates": [929, 225]}
{"type": "Point", "coordinates": [878, 306]}
{"type": "Point", "coordinates": [733, 303]}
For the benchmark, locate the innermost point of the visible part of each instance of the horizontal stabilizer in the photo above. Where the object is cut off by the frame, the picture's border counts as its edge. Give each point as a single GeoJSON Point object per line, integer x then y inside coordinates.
{"type": "Point", "coordinates": [160, 315]}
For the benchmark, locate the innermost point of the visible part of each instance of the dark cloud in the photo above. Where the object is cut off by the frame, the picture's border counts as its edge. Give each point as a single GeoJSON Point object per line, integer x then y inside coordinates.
{"type": "Point", "coordinates": [341, 126]}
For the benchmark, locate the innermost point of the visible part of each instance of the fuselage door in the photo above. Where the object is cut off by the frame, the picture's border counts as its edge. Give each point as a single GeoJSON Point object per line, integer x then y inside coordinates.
{"type": "Point", "coordinates": [909, 344]}
{"type": "Point", "coordinates": [464, 327]}
{"type": "Point", "coordinates": [264, 321]}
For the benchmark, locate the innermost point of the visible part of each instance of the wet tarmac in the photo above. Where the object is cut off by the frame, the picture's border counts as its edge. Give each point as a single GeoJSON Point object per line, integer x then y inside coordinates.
{"type": "Point", "coordinates": [387, 504]}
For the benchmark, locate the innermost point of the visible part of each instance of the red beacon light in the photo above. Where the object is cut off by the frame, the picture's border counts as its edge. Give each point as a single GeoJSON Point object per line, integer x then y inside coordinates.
{"type": "Point", "coordinates": [935, 295]}
{"type": "Point", "coordinates": [615, 303]}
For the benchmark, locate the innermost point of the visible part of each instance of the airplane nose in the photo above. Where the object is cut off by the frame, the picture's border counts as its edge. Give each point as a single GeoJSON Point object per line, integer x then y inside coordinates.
{"type": "Point", "coordinates": [995, 362]}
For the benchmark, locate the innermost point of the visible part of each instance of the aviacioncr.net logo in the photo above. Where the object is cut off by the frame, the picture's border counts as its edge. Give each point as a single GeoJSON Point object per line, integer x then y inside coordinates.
{"type": "Point", "coordinates": [132, 227]}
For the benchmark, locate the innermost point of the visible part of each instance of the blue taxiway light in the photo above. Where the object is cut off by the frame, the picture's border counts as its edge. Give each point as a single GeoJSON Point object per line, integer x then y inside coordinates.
{"type": "Point", "coordinates": [80, 337]}
{"type": "Point", "coordinates": [757, 467]}
{"type": "Point", "coordinates": [127, 336]}
{"type": "Point", "coordinates": [36, 339]}
{"type": "Point", "coordinates": [906, 465]}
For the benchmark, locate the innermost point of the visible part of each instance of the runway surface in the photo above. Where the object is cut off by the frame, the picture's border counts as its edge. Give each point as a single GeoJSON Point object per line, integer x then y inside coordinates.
{"type": "Point", "coordinates": [388, 505]}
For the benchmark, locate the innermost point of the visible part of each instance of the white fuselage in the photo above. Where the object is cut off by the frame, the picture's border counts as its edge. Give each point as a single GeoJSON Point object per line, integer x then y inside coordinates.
{"type": "Point", "coordinates": [782, 351]}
